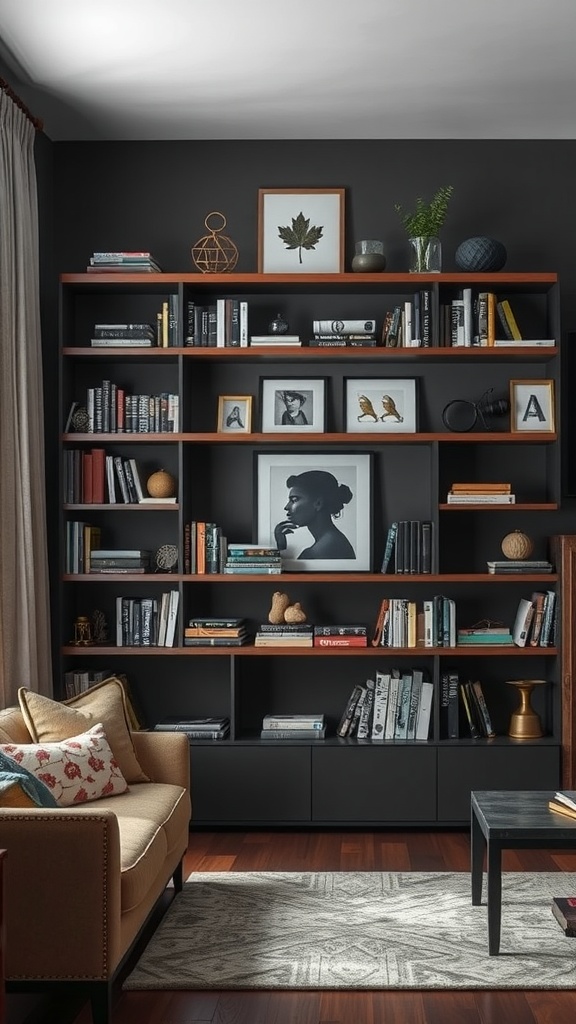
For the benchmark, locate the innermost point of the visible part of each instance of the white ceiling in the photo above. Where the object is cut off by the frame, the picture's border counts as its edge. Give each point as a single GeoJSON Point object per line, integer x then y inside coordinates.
{"type": "Point", "coordinates": [294, 69]}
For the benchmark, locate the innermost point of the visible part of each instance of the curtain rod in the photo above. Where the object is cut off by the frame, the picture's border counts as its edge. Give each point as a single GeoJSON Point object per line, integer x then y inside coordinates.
{"type": "Point", "coordinates": [38, 124]}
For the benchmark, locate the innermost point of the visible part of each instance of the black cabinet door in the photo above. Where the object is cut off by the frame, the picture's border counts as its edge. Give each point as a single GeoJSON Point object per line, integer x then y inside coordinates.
{"type": "Point", "coordinates": [462, 769]}
{"type": "Point", "coordinates": [376, 784]}
{"type": "Point", "coordinates": [250, 784]}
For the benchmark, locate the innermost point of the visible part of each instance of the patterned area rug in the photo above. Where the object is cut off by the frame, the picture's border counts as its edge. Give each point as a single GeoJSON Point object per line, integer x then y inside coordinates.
{"type": "Point", "coordinates": [357, 930]}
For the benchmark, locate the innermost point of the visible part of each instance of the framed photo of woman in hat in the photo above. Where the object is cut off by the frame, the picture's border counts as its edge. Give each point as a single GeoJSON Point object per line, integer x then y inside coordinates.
{"type": "Point", "coordinates": [293, 405]}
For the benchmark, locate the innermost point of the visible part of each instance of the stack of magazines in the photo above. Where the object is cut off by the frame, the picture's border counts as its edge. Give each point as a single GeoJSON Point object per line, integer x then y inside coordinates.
{"type": "Point", "coordinates": [123, 262]}
{"type": "Point", "coordinates": [196, 728]}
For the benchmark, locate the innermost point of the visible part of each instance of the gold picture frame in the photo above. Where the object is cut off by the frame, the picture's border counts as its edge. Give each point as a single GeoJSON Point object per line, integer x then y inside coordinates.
{"type": "Point", "coordinates": [234, 414]}
{"type": "Point", "coordinates": [301, 230]}
{"type": "Point", "coordinates": [532, 406]}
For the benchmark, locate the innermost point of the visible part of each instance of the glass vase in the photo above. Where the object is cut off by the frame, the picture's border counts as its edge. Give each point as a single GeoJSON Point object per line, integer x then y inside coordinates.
{"type": "Point", "coordinates": [425, 255]}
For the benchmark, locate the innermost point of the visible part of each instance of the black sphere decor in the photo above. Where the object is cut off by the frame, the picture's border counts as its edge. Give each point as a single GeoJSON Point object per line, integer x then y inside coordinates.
{"type": "Point", "coordinates": [481, 254]}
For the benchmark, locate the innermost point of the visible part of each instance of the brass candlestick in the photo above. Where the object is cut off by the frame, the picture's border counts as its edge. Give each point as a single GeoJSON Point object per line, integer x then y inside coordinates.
{"type": "Point", "coordinates": [525, 723]}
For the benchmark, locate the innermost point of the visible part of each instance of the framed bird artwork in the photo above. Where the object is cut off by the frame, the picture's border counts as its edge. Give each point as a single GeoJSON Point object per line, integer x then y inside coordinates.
{"type": "Point", "coordinates": [380, 406]}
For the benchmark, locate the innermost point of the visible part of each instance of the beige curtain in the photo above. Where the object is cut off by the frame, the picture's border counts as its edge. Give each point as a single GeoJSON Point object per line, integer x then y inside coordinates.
{"type": "Point", "coordinates": [24, 597]}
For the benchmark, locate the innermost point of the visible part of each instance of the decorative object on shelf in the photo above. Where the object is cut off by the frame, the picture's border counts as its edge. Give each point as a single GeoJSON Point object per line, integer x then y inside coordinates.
{"type": "Point", "coordinates": [278, 325]}
{"type": "Point", "coordinates": [234, 414]}
{"type": "Point", "coordinates": [369, 257]}
{"type": "Point", "coordinates": [423, 226]}
{"type": "Point", "coordinates": [380, 406]}
{"type": "Point", "coordinates": [82, 632]}
{"type": "Point", "coordinates": [293, 405]}
{"type": "Point", "coordinates": [80, 421]}
{"type": "Point", "coordinates": [99, 627]}
{"type": "Point", "coordinates": [295, 613]}
{"type": "Point", "coordinates": [280, 602]}
{"type": "Point", "coordinates": [166, 558]}
{"type": "Point", "coordinates": [301, 231]}
{"type": "Point", "coordinates": [517, 545]}
{"type": "Point", "coordinates": [532, 406]}
{"type": "Point", "coordinates": [316, 509]}
{"type": "Point", "coordinates": [461, 415]}
{"type": "Point", "coordinates": [481, 255]}
{"type": "Point", "coordinates": [215, 253]}
{"type": "Point", "coordinates": [161, 484]}
{"type": "Point", "coordinates": [524, 722]}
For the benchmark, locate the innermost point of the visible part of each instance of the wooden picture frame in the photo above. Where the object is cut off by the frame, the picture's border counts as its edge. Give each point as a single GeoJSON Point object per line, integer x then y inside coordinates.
{"type": "Point", "coordinates": [322, 520]}
{"type": "Point", "coordinates": [234, 414]}
{"type": "Point", "coordinates": [380, 405]}
{"type": "Point", "coordinates": [293, 405]}
{"type": "Point", "coordinates": [312, 216]}
{"type": "Point", "coordinates": [532, 406]}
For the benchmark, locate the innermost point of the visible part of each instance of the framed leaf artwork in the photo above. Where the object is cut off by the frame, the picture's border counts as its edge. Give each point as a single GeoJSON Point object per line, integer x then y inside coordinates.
{"type": "Point", "coordinates": [301, 231]}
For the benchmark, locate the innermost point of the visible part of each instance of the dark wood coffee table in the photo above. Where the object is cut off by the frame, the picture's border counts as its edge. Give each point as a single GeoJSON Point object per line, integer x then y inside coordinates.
{"type": "Point", "coordinates": [510, 821]}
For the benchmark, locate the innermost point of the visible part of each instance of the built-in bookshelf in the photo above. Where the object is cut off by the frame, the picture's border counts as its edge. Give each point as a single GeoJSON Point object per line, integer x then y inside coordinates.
{"type": "Point", "coordinates": [409, 476]}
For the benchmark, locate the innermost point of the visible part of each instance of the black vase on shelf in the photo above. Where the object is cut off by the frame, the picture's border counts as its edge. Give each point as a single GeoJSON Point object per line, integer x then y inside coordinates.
{"type": "Point", "coordinates": [278, 325]}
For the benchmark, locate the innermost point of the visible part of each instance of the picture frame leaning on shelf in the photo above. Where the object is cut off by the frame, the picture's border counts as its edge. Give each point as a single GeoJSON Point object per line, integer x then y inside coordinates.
{"type": "Point", "coordinates": [290, 405]}
{"type": "Point", "coordinates": [301, 231]}
{"type": "Point", "coordinates": [532, 406]}
{"type": "Point", "coordinates": [316, 509]}
{"type": "Point", "coordinates": [234, 414]}
{"type": "Point", "coordinates": [378, 405]}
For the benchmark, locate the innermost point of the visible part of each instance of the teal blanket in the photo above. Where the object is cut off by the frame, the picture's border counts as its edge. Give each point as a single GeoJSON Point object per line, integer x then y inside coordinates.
{"type": "Point", "coordinates": [11, 771]}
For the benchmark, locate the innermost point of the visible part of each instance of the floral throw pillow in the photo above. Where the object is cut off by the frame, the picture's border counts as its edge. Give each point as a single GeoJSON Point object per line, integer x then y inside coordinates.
{"type": "Point", "coordinates": [76, 770]}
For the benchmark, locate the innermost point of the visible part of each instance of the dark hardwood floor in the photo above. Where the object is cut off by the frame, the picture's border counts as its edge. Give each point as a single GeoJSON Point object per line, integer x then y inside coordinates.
{"type": "Point", "coordinates": [337, 851]}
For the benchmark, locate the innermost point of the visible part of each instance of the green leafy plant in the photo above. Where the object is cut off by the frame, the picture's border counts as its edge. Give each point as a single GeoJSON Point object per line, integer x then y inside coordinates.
{"type": "Point", "coordinates": [300, 236]}
{"type": "Point", "coordinates": [427, 218]}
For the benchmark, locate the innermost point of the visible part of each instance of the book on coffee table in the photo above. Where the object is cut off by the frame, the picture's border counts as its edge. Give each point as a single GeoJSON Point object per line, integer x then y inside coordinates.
{"type": "Point", "coordinates": [564, 910]}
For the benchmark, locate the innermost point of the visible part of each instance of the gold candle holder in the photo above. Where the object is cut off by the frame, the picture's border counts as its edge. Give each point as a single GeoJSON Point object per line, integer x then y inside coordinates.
{"type": "Point", "coordinates": [525, 723]}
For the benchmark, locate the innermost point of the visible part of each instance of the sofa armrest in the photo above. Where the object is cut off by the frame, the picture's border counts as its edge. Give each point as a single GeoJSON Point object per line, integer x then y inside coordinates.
{"type": "Point", "coordinates": [164, 756]}
{"type": "Point", "coordinates": [62, 893]}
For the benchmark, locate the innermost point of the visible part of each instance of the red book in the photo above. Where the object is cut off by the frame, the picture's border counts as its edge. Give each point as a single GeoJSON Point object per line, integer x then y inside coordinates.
{"type": "Point", "coordinates": [98, 475]}
{"type": "Point", "coordinates": [340, 641]}
{"type": "Point", "coordinates": [120, 410]}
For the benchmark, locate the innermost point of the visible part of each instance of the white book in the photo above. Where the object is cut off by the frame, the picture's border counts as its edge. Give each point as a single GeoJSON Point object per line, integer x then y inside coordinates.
{"type": "Point", "coordinates": [526, 342]}
{"type": "Point", "coordinates": [220, 323]}
{"type": "Point", "coordinates": [403, 706]}
{"type": "Point", "coordinates": [243, 318]}
{"type": "Point", "coordinates": [381, 691]}
{"type": "Point", "coordinates": [522, 622]}
{"type": "Point", "coordinates": [136, 478]}
{"type": "Point", "coordinates": [407, 334]}
{"type": "Point", "coordinates": [172, 618]}
{"type": "Point", "coordinates": [467, 301]}
{"type": "Point", "coordinates": [424, 710]}
{"type": "Point", "coordinates": [417, 680]}
{"type": "Point", "coordinates": [428, 624]}
{"type": "Point", "coordinates": [483, 498]}
{"type": "Point", "coordinates": [392, 705]}
{"type": "Point", "coordinates": [111, 480]}
{"type": "Point", "coordinates": [163, 619]}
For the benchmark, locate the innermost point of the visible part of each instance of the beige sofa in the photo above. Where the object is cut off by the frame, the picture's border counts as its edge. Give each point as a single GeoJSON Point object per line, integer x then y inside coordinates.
{"type": "Point", "coordinates": [80, 882]}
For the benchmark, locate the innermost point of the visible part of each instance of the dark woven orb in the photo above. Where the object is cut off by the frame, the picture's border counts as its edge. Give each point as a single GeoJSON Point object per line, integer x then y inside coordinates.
{"type": "Point", "coordinates": [481, 254]}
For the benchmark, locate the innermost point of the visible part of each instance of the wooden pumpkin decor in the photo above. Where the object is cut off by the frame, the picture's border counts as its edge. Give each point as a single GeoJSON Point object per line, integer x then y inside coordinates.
{"type": "Point", "coordinates": [517, 545]}
{"type": "Point", "coordinates": [161, 485]}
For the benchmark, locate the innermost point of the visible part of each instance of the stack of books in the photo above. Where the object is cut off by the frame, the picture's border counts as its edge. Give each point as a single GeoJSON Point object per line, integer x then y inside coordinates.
{"type": "Point", "coordinates": [252, 559]}
{"type": "Point", "coordinates": [119, 560]}
{"type": "Point", "coordinates": [340, 636]}
{"type": "Point", "coordinates": [520, 565]}
{"type": "Point", "coordinates": [213, 632]}
{"type": "Point", "coordinates": [123, 336]}
{"type": "Point", "coordinates": [476, 710]}
{"type": "Point", "coordinates": [481, 494]}
{"type": "Point", "coordinates": [123, 262]}
{"type": "Point", "coordinates": [293, 727]}
{"type": "Point", "coordinates": [564, 801]}
{"type": "Point", "coordinates": [274, 339]}
{"type": "Point", "coordinates": [285, 635]}
{"type": "Point", "coordinates": [196, 728]}
{"type": "Point", "coordinates": [342, 333]}
{"type": "Point", "coordinates": [481, 635]}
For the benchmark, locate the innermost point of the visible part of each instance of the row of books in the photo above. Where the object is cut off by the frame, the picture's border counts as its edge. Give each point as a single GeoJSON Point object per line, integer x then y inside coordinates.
{"type": "Point", "coordinates": [476, 320]}
{"type": "Point", "coordinates": [395, 705]}
{"type": "Point", "coordinates": [123, 261]}
{"type": "Point", "coordinates": [535, 622]}
{"type": "Point", "coordinates": [213, 728]}
{"type": "Point", "coordinates": [78, 680]}
{"type": "Point", "coordinates": [219, 324]}
{"type": "Point", "coordinates": [408, 547]}
{"type": "Point", "coordinates": [207, 551]}
{"type": "Point", "coordinates": [293, 727]}
{"type": "Point", "coordinates": [92, 477]}
{"type": "Point", "coordinates": [147, 621]}
{"type": "Point", "coordinates": [399, 623]}
{"type": "Point", "coordinates": [113, 410]}
{"type": "Point", "coordinates": [468, 695]}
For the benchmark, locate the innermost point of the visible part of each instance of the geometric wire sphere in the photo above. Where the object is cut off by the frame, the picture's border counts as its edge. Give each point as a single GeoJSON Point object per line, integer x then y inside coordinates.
{"type": "Point", "coordinates": [215, 253]}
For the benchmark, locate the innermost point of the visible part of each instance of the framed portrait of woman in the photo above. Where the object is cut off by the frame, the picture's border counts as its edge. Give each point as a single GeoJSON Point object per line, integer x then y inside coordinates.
{"type": "Point", "coordinates": [316, 509]}
{"type": "Point", "coordinates": [293, 405]}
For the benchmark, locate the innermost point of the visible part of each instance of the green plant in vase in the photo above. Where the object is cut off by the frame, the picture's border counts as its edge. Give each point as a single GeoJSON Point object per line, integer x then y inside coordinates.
{"type": "Point", "coordinates": [423, 226]}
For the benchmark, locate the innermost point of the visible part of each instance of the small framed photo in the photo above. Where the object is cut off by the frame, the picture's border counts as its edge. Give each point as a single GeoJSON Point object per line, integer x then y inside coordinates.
{"type": "Point", "coordinates": [380, 405]}
{"type": "Point", "coordinates": [293, 405]}
{"type": "Point", "coordinates": [532, 406]}
{"type": "Point", "coordinates": [234, 414]}
{"type": "Point", "coordinates": [301, 230]}
{"type": "Point", "coordinates": [316, 509]}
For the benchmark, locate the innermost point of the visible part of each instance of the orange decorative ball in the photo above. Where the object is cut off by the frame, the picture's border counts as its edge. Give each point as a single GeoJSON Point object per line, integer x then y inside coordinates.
{"type": "Point", "coordinates": [517, 545]}
{"type": "Point", "coordinates": [161, 485]}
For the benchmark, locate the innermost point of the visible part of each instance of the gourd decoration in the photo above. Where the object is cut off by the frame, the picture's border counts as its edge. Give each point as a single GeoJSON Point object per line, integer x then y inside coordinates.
{"type": "Point", "coordinates": [283, 611]}
{"type": "Point", "coordinates": [161, 485]}
{"type": "Point", "coordinates": [517, 545]}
